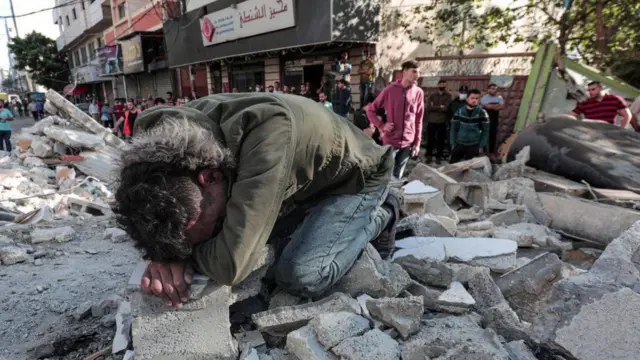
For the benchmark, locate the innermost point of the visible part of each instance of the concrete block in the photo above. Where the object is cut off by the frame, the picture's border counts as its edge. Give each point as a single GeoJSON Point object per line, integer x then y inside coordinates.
{"type": "Point", "coordinates": [470, 193]}
{"type": "Point", "coordinates": [374, 276]}
{"type": "Point", "coordinates": [304, 344]}
{"type": "Point", "coordinates": [605, 329]}
{"type": "Point", "coordinates": [374, 344]}
{"type": "Point", "coordinates": [430, 176]}
{"type": "Point", "coordinates": [470, 214]}
{"type": "Point", "coordinates": [281, 321]}
{"type": "Point", "coordinates": [403, 314]}
{"type": "Point", "coordinates": [332, 328]}
{"type": "Point", "coordinates": [546, 182]}
{"type": "Point", "coordinates": [193, 333]}
{"type": "Point", "coordinates": [507, 217]}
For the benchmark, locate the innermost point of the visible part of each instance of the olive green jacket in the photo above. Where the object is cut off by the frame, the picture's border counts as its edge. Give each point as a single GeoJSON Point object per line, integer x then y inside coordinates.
{"type": "Point", "coordinates": [288, 150]}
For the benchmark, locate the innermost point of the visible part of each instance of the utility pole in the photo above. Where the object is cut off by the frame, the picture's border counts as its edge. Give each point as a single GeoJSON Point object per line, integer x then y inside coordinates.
{"type": "Point", "coordinates": [11, 70]}
{"type": "Point", "coordinates": [13, 16]}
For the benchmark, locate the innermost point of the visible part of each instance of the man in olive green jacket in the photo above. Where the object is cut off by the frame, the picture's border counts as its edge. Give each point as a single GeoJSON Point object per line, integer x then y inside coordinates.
{"type": "Point", "coordinates": [205, 184]}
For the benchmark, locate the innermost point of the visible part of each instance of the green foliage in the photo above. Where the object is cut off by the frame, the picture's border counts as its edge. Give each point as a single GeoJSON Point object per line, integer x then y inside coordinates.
{"type": "Point", "coordinates": [471, 24]}
{"type": "Point", "coordinates": [38, 55]}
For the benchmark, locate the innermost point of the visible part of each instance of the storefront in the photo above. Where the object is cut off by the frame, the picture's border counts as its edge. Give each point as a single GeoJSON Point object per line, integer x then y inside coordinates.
{"type": "Point", "coordinates": [289, 41]}
{"type": "Point", "coordinates": [89, 84]}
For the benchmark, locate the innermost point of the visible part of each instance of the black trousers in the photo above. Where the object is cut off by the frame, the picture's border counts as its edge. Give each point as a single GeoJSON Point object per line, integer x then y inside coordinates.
{"type": "Point", "coordinates": [464, 152]}
{"type": "Point", "coordinates": [493, 134]}
{"type": "Point", "coordinates": [5, 140]}
{"type": "Point", "coordinates": [436, 136]}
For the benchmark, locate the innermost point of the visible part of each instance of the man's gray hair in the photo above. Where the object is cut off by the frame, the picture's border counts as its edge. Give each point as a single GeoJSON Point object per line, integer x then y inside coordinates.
{"type": "Point", "coordinates": [182, 143]}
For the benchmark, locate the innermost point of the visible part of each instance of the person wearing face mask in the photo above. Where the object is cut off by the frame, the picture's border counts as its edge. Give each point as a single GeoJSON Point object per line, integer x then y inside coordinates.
{"type": "Point", "coordinates": [436, 121]}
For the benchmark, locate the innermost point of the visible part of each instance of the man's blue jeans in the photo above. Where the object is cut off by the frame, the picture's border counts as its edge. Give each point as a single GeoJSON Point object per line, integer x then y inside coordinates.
{"type": "Point", "coordinates": [329, 240]}
{"type": "Point", "coordinates": [366, 88]}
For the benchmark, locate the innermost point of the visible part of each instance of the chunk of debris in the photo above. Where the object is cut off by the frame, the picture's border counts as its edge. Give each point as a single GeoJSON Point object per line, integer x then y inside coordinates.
{"type": "Point", "coordinates": [121, 338]}
{"type": "Point", "coordinates": [514, 168]}
{"type": "Point", "coordinates": [10, 255]}
{"type": "Point", "coordinates": [423, 225]}
{"type": "Point", "coordinates": [332, 328]}
{"type": "Point", "coordinates": [507, 217]}
{"type": "Point", "coordinates": [116, 235]}
{"type": "Point", "coordinates": [303, 343]}
{"type": "Point", "coordinates": [374, 344]}
{"type": "Point", "coordinates": [61, 234]}
{"type": "Point", "coordinates": [403, 314]}
{"type": "Point", "coordinates": [436, 273]}
{"type": "Point", "coordinates": [528, 235]}
{"type": "Point", "coordinates": [518, 350]}
{"type": "Point", "coordinates": [281, 321]}
{"type": "Point", "coordinates": [431, 176]}
{"type": "Point", "coordinates": [470, 193]}
{"type": "Point", "coordinates": [456, 296]}
{"type": "Point", "coordinates": [482, 164]}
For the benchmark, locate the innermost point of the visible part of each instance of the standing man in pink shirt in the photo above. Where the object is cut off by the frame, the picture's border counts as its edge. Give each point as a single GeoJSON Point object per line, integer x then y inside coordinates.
{"type": "Point", "coordinates": [403, 102]}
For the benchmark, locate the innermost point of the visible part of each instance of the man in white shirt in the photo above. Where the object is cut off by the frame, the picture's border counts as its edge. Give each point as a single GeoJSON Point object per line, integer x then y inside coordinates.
{"type": "Point", "coordinates": [94, 111]}
{"type": "Point", "coordinates": [492, 102]}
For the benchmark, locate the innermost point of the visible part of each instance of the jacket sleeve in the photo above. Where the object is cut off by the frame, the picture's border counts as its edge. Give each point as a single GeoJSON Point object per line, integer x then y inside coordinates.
{"type": "Point", "coordinates": [484, 139]}
{"type": "Point", "coordinates": [419, 120]}
{"type": "Point", "coordinates": [453, 133]}
{"type": "Point", "coordinates": [373, 108]}
{"type": "Point", "coordinates": [430, 101]}
{"type": "Point", "coordinates": [264, 165]}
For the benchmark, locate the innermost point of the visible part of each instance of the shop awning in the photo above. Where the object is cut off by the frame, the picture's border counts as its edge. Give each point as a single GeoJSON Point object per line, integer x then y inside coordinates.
{"type": "Point", "coordinates": [72, 89]}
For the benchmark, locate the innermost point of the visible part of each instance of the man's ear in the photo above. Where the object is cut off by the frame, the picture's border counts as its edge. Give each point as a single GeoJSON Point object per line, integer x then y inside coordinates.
{"type": "Point", "coordinates": [209, 176]}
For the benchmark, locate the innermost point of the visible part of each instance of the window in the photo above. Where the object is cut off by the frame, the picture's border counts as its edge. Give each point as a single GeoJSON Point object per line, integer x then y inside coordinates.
{"type": "Point", "coordinates": [67, 18]}
{"type": "Point", "coordinates": [73, 12]}
{"type": "Point", "coordinates": [100, 43]}
{"type": "Point", "coordinates": [83, 52]}
{"type": "Point", "coordinates": [70, 61]}
{"type": "Point", "coordinates": [76, 57]}
{"type": "Point", "coordinates": [92, 51]}
{"type": "Point", "coordinates": [121, 11]}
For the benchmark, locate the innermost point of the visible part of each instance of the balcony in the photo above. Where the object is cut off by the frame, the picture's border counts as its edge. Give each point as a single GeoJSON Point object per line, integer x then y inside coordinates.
{"type": "Point", "coordinates": [94, 19]}
{"type": "Point", "coordinates": [98, 16]}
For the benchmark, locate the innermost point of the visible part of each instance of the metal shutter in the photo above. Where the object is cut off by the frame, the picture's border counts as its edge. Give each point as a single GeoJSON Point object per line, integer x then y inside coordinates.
{"type": "Point", "coordinates": [146, 85]}
{"type": "Point", "coordinates": [132, 86]}
{"type": "Point", "coordinates": [120, 87]}
{"type": "Point", "coordinates": [164, 82]}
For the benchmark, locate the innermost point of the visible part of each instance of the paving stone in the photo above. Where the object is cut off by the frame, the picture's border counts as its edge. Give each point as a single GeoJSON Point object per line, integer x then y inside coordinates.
{"type": "Point", "coordinates": [374, 344]}
{"type": "Point", "coordinates": [303, 343]}
{"type": "Point", "coordinates": [281, 321]}
{"type": "Point", "coordinates": [438, 336]}
{"type": "Point", "coordinates": [604, 329]}
{"type": "Point", "coordinates": [62, 234]}
{"type": "Point", "coordinates": [10, 255]}
{"type": "Point", "coordinates": [403, 314]}
{"type": "Point", "coordinates": [374, 276]}
{"type": "Point", "coordinates": [456, 295]}
{"type": "Point", "coordinates": [332, 328]}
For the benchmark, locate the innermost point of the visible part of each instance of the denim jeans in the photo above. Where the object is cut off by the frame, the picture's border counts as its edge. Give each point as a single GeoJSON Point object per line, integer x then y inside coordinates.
{"type": "Point", "coordinates": [366, 88]}
{"type": "Point", "coordinates": [401, 157]}
{"type": "Point", "coordinates": [329, 240]}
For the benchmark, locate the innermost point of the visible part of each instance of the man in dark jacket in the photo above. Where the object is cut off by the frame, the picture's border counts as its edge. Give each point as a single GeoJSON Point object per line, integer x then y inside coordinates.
{"type": "Point", "coordinates": [342, 99]}
{"type": "Point", "coordinates": [436, 119]}
{"type": "Point", "coordinates": [469, 129]}
{"type": "Point", "coordinates": [206, 184]}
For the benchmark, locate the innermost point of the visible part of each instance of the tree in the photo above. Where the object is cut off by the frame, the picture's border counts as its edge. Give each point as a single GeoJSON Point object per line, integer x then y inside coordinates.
{"type": "Point", "coordinates": [597, 29]}
{"type": "Point", "coordinates": [38, 55]}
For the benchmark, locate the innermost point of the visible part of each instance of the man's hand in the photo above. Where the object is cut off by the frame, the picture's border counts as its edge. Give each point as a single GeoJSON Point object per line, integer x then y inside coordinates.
{"type": "Point", "coordinates": [415, 150]}
{"type": "Point", "coordinates": [388, 127]}
{"type": "Point", "coordinates": [168, 281]}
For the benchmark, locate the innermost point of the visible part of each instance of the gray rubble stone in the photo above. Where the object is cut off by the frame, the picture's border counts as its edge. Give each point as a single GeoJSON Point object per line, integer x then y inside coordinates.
{"type": "Point", "coordinates": [429, 295]}
{"type": "Point", "coordinates": [280, 321]}
{"type": "Point", "coordinates": [434, 204]}
{"type": "Point", "coordinates": [374, 344]}
{"type": "Point", "coordinates": [61, 234]}
{"type": "Point", "coordinates": [203, 330]}
{"type": "Point", "coordinates": [116, 235]}
{"type": "Point", "coordinates": [430, 176]}
{"type": "Point", "coordinates": [106, 305]}
{"type": "Point", "coordinates": [470, 193]}
{"type": "Point", "coordinates": [507, 217]}
{"type": "Point", "coordinates": [468, 352]}
{"type": "Point", "coordinates": [470, 214]}
{"type": "Point", "coordinates": [456, 295]}
{"type": "Point", "coordinates": [82, 311]}
{"type": "Point", "coordinates": [481, 164]}
{"type": "Point", "coordinates": [283, 298]}
{"type": "Point", "coordinates": [303, 343]}
{"type": "Point", "coordinates": [423, 225]}
{"type": "Point", "coordinates": [403, 314]}
{"type": "Point", "coordinates": [374, 276]}
{"type": "Point", "coordinates": [484, 290]}
{"type": "Point", "coordinates": [332, 328]}
{"type": "Point", "coordinates": [277, 354]}
{"type": "Point", "coordinates": [436, 273]}
{"type": "Point", "coordinates": [251, 339]}
{"type": "Point", "coordinates": [616, 264]}
{"type": "Point", "coordinates": [477, 226]}
{"type": "Point", "coordinates": [514, 168]}
{"type": "Point", "coordinates": [10, 255]}
{"type": "Point", "coordinates": [523, 287]}
{"type": "Point", "coordinates": [504, 321]}
{"type": "Point", "coordinates": [4, 241]}
{"type": "Point", "coordinates": [440, 335]}
{"type": "Point", "coordinates": [123, 321]}
{"type": "Point", "coordinates": [527, 235]}
{"type": "Point", "coordinates": [518, 350]}
{"type": "Point", "coordinates": [608, 328]}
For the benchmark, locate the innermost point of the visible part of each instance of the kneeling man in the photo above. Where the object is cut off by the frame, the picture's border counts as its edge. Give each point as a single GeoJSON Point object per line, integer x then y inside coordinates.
{"type": "Point", "coordinates": [206, 185]}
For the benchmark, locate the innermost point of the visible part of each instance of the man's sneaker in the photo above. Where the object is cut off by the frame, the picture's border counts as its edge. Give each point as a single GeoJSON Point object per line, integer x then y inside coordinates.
{"type": "Point", "coordinates": [385, 243]}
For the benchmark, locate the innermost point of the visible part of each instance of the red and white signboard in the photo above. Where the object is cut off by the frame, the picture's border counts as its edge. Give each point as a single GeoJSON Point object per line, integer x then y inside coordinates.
{"type": "Point", "coordinates": [250, 18]}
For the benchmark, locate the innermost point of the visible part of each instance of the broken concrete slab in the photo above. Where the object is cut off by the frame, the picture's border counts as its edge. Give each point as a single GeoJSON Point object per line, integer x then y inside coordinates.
{"type": "Point", "coordinates": [610, 320]}
{"type": "Point", "coordinates": [252, 285]}
{"type": "Point", "coordinates": [497, 254]}
{"type": "Point", "coordinates": [280, 321]}
{"type": "Point", "coordinates": [10, 255]}
{"type": "Point", "coordinates": [471, 175]}
{"type": "Point", "coordinates": [514, 168]}
{"type": "Point", "coordinates": [249, 339]}
{"type": "Point", "coordinates": [470, 193]}
{"type": "Point", "coordinates": [482, 164]}
{"type": "Point", "coordinates": [374, 276]}
{"type": "Point", "coordinates": [436, 273]}
{"type": "Point", "coordinates": [422, 225]}
{"type": "Point", "coordinates": [430, 176]}
{"type": "Point", "coordinates": [507, 217]}
{"type": "Point", "coordinates": [122, 338]}
{"type": "Point", "coordinates": [485, 291]}
{"type": "Point", "coordinates": [470, 214]}
{"type": "Point", "coordinates": [587, 219]}
{"type": "Point", "coordinates": [403, 314]}
{"type": "Point", "coordinates": [439, 335]}
{"type": "Point", "coordinates": [74, 138]}
{"type": "Point", "coordinates": [429, 249]}
{"type": "Point", "coordinates": [414, 190]}
{"type": "Point", "coordinates": [434, 204]}
{"type": "Point", "coordinates": [505, 322]}
{"type": "Point", "coordinates": [616, 263]}
{"type": "Point", "coordinates": [303, 343]}
{"type": "Point", "coordinates": [547, 182]}
{"type": "Point", "coordinates": [528, 235]}
{"type": "Point", "coordinates": [518, 350]}
{"type": "Point", "coordinates": [374, 344]}
{"type": "Point", "coordinates": [523, 286]}
{"type": "Point", "coordinates": [61, 234]}
{"type": "Point", "coordinates": [283, 298]}
{"type": "Point", "coordinates": [429, 295]}
{"type": "Point", "coordinates": [332, 328]}
{"type": "Point", "coordinates": [457, 296]}
{"type": "Point", "coordinates": [204, 331]}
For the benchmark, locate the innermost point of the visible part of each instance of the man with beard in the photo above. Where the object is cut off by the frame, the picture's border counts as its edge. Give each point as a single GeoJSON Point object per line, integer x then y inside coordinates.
{"type": "Point", "coordinates": [438, 109]}
{"type": "Point", "coordinates": [207, 185]}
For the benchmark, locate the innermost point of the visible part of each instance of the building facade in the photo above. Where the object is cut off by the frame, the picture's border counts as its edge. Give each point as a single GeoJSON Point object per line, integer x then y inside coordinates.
{"type": "Point", "coordinates": [116, 48]}
{"type": "Point", "coordinates": [228, 45]}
